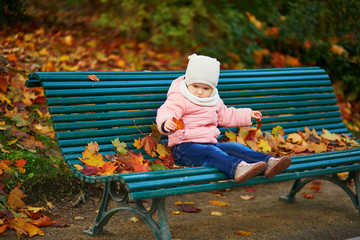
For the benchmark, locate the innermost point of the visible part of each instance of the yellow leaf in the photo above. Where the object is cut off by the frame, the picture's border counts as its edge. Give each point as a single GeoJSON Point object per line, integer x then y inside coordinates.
{"type": "Point", "coordinates": [161, 150]}
{"type": "Point", "coordinates": [78, 167]}
{"type": "Point", "coordinates": [175, 212]}
{"type": "Point", "coordinates": [277, 130]}
{"type": "Point", "coordinates": [137, 143]}
{"type": "Point", "coordinates": [95, 159]}
{"type": "Point", "coordinates": [33, 230]}
{"type": "Point", "coordinates": [295, 138]}
{"type": "Point", "coordinates": [264, 146]}
{"type": "Point", "coordinates": [330, 136]}
{"type": "Point", "coordinates": [219, 203]}
{"type": "Point", "coordinates": [215, 213]}
{"type": "Point", "coordinates": [232, 136]}
{"type": "Point", "coordinates": [35, 209]}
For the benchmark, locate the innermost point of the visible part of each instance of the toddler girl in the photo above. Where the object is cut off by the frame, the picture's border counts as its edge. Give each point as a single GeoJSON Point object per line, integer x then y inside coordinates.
{"type": "Point", "coordinates": [194, 98]}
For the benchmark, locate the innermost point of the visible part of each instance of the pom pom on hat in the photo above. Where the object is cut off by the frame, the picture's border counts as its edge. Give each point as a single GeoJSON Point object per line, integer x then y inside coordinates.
{"type": "Point", "coordinates": [202, 69]}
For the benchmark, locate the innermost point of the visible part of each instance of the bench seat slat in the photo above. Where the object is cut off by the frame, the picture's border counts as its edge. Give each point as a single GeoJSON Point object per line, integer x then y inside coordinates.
{"type": "Point", "coordinates": [232, 184]}
{"type": "Point", "coordinates": [172, 181]}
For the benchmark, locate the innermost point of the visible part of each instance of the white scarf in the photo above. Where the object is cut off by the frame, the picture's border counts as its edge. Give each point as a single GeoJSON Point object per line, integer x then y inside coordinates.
{"type": "Point", "coordinates": [208, 101]}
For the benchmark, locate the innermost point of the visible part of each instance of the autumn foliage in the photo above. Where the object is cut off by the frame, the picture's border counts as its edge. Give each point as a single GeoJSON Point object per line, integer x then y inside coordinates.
{"type": "Point", "coordinates": [275, 143]}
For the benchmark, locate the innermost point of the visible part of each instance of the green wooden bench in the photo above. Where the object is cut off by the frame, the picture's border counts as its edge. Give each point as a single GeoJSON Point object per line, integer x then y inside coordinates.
{"type": "Point", "coordinates": [83, 111]}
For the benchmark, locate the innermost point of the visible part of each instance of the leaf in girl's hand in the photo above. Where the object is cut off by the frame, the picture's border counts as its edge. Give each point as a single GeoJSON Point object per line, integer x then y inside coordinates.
{"type": "Point", "coordinates": [179, 123]}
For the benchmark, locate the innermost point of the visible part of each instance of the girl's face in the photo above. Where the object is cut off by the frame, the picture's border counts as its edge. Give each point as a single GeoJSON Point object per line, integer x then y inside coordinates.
{"type": "Point", "coordinates": [200, 90]}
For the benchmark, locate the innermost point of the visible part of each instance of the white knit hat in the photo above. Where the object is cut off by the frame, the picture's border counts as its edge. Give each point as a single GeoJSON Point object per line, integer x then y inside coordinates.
{"type": "Point", "coordinates": [202, 69]}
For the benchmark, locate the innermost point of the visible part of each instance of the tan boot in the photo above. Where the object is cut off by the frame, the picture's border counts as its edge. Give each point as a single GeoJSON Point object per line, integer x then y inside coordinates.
{"type": "Point", "coordinates": [244, 170]}
{"type": "Point", "coordinates": [277, 165]}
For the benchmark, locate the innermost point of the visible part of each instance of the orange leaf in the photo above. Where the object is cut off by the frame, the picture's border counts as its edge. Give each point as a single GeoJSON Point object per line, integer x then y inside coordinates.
{"type": "Point", "coordinates": [242, 233]}
{"type": "Point", "coordinates": [135, 161]}
{"type": "Point", "coordinates": [12, 57]}
{"type": "Point", "coordinates": [93, 77]}
{"type": "Point", "coordinates": [43, 221]}
{"type": "Point", "coordinates": [179, 123]}
{"type": "Point", "coordinates": [20, 163]}
{"type": "Point", "coordinates": [308, 195]}
{"type": "Point", "coordinates": [108, 169]}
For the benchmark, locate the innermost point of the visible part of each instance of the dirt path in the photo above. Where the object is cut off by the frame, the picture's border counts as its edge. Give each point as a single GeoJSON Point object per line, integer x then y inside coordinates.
{"type": "Point", "coordinates": [329, 215]}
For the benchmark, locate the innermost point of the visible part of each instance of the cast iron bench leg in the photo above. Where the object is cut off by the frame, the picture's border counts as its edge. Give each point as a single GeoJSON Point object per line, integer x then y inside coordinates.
{"type": "Point", "coordinates": [120, 196]}
{"type": "Point", "coordinates": [343, 183]}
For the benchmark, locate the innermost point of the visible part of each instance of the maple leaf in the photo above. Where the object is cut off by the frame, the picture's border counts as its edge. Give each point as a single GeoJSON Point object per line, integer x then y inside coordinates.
{"type": "Point", "coordinates": [295, 138]}
{"type": "Point", "coordinates": [149, 144]}
{"type": "Point", "coordinates": [93, 77]}
{"type": "Point", "coordinates": [33, 230]}
{"type": "Point", "coordinates": [108, 168]}
{"type": "Point", "coordinates": [135, 161]}
{"type": "Point", "coordinates": [155, 132]}
{"type": "Point", "coordinates": [330, 136]}
{"type": "Point", "coordinates": [42, 221]}
{"type": "Point", "coordinates": [120, 146]}
{"type": "Point", "coordinates": [93, 147]}
{"type": "Point", "coordinates": [20, 163]}
{"type": "Point", "coordinates": [137, 143]}
{"type": "Point", "coordinates": [95, 159]}
{"type": "Point", "coordinates": [89, 170]}
{"type": "Point", "coordinates": [15, 201]}
{"type": "Point", "coordinates": [179, 123]}
{"type": "Point", "coordinates": [277, 130]}
{"type": "Point", "coordinates": [264, 145]}
{"type": "Point", "coordinates": [231, 136]}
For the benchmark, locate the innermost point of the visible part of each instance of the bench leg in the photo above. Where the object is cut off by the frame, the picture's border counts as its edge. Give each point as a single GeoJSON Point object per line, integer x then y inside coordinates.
{"type": "Point", "coordinates": [343, 183]}
{"type": "Point", "coordinates": [120, 196]}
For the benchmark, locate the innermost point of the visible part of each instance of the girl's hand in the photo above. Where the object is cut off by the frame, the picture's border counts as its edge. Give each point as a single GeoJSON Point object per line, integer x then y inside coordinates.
{"type": "Point", "coordinates": [170, 126]}
{"type": "Point", "coordinates": [256, 115]}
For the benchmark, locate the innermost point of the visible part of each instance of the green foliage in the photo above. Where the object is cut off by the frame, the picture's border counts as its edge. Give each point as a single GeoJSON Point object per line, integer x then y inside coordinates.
{"type": "Point", "coordinates": [39, 170]}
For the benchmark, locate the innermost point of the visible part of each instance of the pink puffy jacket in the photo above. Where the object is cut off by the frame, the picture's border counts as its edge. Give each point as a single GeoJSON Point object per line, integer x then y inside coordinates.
{"type": "Point", "coordinates": [200, 121]}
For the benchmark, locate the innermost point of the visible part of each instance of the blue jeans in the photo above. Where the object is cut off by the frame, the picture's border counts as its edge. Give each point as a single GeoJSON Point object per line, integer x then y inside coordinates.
{"type": "Point", "coordinates": [224, 156]}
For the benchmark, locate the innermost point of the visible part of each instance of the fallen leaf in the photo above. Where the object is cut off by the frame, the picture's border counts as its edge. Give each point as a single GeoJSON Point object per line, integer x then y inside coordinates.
{"type": "Point", "coordinates": [307, 195]}
{"type": "Point", "coordinates": [93, 77]}
{"type": "Point", "coordinates": [189, 209]}
{"type": "Point", "coordinates": [15, 199]}
{"type": "Point", "coordinates": [215, 213]}
{"type": "Point", "coordinates": [243, 233]}
{"type": "Point", "coordinates": [218, 203]}
{"type": "Point", "coordinates": [247, 197]}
